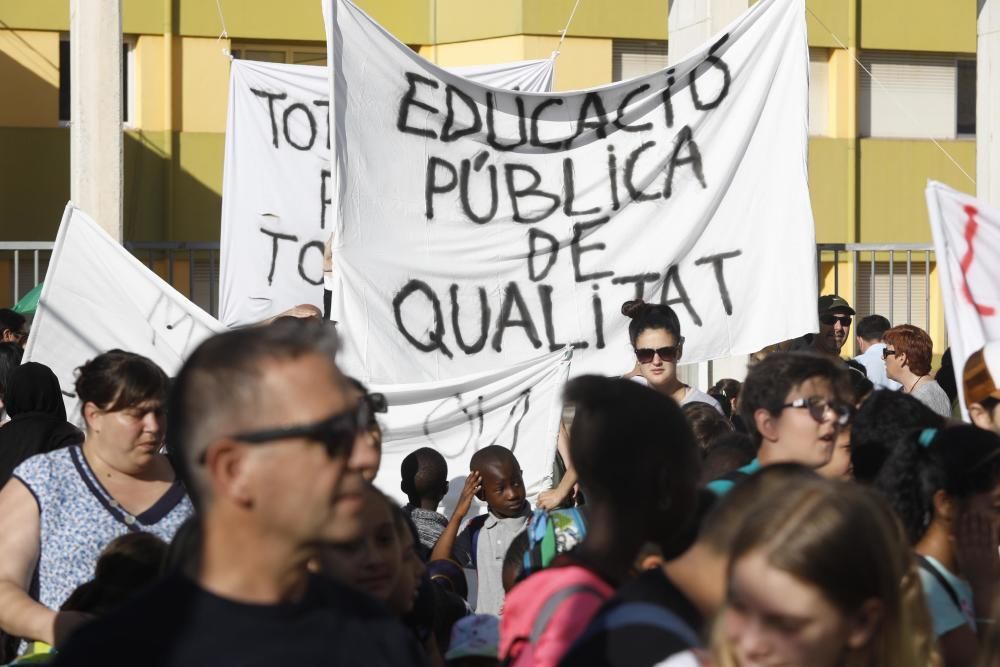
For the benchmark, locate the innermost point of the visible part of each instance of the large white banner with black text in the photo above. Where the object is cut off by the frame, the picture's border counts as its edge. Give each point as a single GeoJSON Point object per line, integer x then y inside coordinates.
{"type": "Point", "coordinates": [477, 227]}
{"type": "Point", "coordinates": [275, 191]}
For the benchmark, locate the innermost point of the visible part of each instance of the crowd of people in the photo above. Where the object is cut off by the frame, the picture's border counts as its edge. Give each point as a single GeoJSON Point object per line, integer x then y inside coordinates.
{"type": "Point", "coordinates": [823, 512]}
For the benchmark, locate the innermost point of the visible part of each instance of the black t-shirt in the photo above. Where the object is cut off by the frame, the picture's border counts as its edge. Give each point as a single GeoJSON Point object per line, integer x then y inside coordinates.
{"type": "Point", "coordinates": [637, 644]}
{"type": "Point", "coordinates": [178, 623]}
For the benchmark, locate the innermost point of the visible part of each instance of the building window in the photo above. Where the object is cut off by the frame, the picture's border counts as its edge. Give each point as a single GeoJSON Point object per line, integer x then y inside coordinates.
{"type": "Point", "coordinates": [966, 109]}
{"type": "Point", "coordinates": [65, 76]}
{"type": "Point", "coordinates": [637, 57]}
{"type": "Point", "coordinates": [819, 91]}
{"type": "Point", "coordinates": [281, 53]}
{"type": "Point", "coordinates": [916, 95]}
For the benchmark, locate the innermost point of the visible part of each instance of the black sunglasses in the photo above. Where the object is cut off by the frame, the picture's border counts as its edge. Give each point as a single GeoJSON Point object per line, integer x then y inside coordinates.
{"type": "Point", "coordinates": [886, 353]}
{"type": "Point", "coordinates": [667, 354]}
{"type": "Point", "coordinates": [337, 432]}
{"type": "Point", "coordinates": [829, 319]}
{"type": "Point", "coordinates": [817, 408]}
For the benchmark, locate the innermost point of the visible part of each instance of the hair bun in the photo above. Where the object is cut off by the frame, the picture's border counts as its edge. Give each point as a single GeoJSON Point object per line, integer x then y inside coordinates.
{"type": "Point", "coordinates": [635, 308]}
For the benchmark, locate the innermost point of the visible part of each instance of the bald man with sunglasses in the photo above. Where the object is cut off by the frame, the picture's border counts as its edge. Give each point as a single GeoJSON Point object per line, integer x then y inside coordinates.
{"type": "Point", "coordinates": [270, 441]}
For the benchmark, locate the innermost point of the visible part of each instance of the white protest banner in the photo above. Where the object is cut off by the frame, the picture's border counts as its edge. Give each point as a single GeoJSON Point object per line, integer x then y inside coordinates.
{"type": "Point", "coordinates": [518, 407]}
{"type": "Point", "coordinates": [97, 297]}
{"type": "Point", "coordinates": [967, 247]}
{"type": "Point", "coordinates": [478, 227]}
{"type": "Point", "coordinates": [275, 190]}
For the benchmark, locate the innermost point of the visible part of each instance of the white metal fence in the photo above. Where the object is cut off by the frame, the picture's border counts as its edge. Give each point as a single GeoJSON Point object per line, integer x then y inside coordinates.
{"type": "Point", "coordinates": [191, 267]}
{"type": "Point", "coordinates": [893, 280]}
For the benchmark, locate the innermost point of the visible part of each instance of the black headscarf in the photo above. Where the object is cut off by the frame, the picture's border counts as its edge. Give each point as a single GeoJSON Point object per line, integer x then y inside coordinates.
{"type": "Point", "coordinates": [38, 418]}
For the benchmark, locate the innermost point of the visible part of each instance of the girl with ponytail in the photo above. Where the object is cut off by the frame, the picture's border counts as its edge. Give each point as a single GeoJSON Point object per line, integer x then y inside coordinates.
{"type": "Point", "coordinates": [945, 486]}
{"type": "Point", "coordinates": [655, 334]}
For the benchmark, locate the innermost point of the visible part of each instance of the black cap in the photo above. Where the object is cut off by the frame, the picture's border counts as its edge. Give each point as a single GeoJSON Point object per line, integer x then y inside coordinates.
{"type": "Point", "coordinates": [831, 302]}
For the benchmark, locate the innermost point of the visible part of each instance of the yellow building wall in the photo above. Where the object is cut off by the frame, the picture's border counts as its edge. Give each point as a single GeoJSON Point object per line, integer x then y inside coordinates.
{"type": "Point", "coordinates": [828, 22]}
{"type": "Point", "coordinates": [829, 162]}
{"type": "Point", "coordinates": [919, 25]}
{"type": "Point", "coordinates": [893, 175]}
{"type": "Point", "coordinates": [29, 78]}
{"type": "Point", "coordinates": [34, 182]}
{"type": "Point", "coordinates": [149, 74]}
{"type": "Point", "coordinates": [205, 85]}
{"type": "Point", "coordinates": [582, 63]}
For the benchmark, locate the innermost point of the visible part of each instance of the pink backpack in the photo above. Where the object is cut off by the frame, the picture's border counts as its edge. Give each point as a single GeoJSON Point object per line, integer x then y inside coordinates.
{"type": "Point", "coordinates": [544, 614]}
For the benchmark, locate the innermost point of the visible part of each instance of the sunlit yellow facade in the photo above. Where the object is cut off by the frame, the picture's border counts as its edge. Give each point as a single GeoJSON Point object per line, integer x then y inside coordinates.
{"type": "Point", "coordinates": [864, 189]}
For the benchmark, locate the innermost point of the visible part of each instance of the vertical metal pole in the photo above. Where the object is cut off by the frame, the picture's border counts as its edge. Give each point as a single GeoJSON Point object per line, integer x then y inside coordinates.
{"type": "Point", "coordinates": [36, 266]}
{"type": "Point", "coordinates": [211, 283]}
{"type": "Point", "coordinates": [892, 286]}
{"type": "Point", "coordinates": [170, 266]}
{"type": "Point", "coordinates": [836, 271]}
{"type": "Point", "coordinates": [17, 277]}
{"type": "Point", "coordinates": [871, 284]}
{"type": "Point", "coordinates": [909, 287]}
{"type": "Point", "coordinates": [927, 290]}
{"type": "Point", "coordinates": [190, 274]}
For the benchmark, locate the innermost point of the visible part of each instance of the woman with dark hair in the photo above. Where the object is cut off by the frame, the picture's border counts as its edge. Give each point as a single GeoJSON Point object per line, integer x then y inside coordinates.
{"type": "Point", "coordinates": [655, 334]}
{"type": "Point", "coordinates": [61, 508]}
{"type": "Point", "coordinates": [945, 486]}
{"type": "Point", "coordinates": [10, 358]}
{"type": "Point", "coordinates": [639, 465]}
{"type": "Point", "coordinates": [38, 418]}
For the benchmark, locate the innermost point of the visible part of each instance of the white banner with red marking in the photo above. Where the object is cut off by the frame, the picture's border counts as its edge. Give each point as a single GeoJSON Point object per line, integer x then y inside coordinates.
{"type": "Point", "coordinates": [967, 243]}
{"type": "Point", "coordinates": [477, 227]}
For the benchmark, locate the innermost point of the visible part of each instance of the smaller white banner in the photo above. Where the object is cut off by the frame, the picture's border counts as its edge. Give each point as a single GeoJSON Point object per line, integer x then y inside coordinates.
{"type": "Point", "coordinates": [98, 297]}
{"type": "Point", "coordinates": [518, 407]}
{"type": "Point", "coordinates": [967, 242]}
{"type": "Point", "coordinates": [276, 211]}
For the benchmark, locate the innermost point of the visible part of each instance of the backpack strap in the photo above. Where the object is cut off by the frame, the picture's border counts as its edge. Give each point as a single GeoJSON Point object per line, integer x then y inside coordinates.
{"type": "Point", "coordinates": [475, 527]}
{"type": "Point", "coordinates": [735, 476]}
{"type": "Point", "coordinates": [552, 605]}
{"type": "Point", "coordinates": [642, 614]}
{"type": "Point", "coordinates": [927, 566]}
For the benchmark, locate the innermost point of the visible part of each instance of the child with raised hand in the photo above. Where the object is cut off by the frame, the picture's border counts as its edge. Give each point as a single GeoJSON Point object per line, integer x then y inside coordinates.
{"type": "Point", "coordinates": [424, 480]}
{"type": "Point", "coordinates": [483, 543]}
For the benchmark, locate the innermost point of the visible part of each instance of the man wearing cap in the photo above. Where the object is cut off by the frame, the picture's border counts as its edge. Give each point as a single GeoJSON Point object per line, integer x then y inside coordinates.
{"type": "Point", "coordinates": [981, 381]}
{"type": "Point", "coordinates": [834, 325]}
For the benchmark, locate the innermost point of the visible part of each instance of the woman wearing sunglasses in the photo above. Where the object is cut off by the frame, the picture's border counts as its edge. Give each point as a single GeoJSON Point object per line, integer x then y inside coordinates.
{"type": "Point", "coordinates": [655, 333]}
{"type": "Point", "coordinates": [907, 356]}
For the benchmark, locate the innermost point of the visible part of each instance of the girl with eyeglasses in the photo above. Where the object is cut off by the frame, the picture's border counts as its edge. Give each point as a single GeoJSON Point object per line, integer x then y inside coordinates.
{"type": "Point", "coordinates": [945, 486]}
{"type": "Point", "coordinates": [655, 334]}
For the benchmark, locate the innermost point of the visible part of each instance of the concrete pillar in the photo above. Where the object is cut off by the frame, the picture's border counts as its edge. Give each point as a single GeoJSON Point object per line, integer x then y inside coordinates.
{"type": "Point", "coordinates": [988, 102]}
{"type": "Point", "coordinates": [693, 22]}
{"type": "Point", "coordinates": [96, 141]}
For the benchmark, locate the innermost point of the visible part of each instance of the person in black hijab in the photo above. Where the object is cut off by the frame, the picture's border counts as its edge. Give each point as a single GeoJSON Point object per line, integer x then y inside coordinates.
{"type": "Point", "coordinates": [38, 418]}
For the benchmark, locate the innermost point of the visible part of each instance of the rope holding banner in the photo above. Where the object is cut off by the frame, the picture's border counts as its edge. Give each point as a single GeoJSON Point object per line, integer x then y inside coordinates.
{"type": "Point", "coordinates": [562, 37]}
{"type": "Point", "coordinates": [895, 101]}
{"type": "Point", "coordinates": [225, 33]}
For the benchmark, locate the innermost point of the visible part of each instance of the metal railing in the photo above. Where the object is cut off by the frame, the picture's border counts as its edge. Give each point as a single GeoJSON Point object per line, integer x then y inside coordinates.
{"type": "Point", "coordinates": [191, 267]}
{"type": "Point", "coordinates": [889, 279]}
{"type": "Point", "coordinates": [893, 280]}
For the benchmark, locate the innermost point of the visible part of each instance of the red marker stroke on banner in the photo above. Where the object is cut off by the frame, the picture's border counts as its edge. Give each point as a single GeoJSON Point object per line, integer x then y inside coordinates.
{"type": "Point", "coordinates": [971, 226]}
